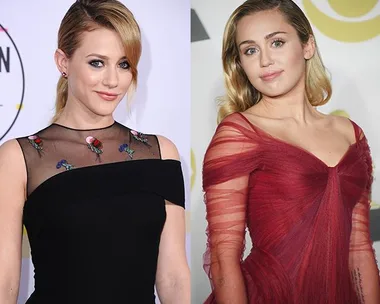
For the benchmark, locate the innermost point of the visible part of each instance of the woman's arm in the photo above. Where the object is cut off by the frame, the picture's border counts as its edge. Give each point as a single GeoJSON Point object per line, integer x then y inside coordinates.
{"type": "Point", "coordinates": [12, 197]}
{"type": "Point", "coordinates": [229, 161]}
{"type": "Point", "coordinates": [362, 261]}
{"type": "Point", "coordinates": [173, 274]}
{"type": "Point", "coordinates": [226, 216]}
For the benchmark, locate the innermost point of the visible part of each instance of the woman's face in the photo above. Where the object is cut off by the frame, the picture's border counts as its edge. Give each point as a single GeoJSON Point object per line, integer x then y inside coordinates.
{"type": "Point", "coordinates": [271, 53]}
{"type": "Point", "coordinates": [98, 72]}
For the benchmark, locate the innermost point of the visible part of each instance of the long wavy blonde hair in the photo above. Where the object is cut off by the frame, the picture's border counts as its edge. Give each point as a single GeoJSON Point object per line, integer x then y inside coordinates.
{"type": "Point", "coordinates": [87, 15]}
{"type": "Point", "coordinates": [240, 94]}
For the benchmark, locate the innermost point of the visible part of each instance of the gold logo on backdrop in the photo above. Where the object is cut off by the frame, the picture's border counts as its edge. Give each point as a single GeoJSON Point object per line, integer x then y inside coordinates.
{"type": "Point", "coordinates": [346, 31]}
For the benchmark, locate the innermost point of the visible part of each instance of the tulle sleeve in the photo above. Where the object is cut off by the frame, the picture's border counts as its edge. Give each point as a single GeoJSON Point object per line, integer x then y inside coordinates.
{"type": "Point", "coordinates": [362, 261]}
{"type": "Point", "coordinates": [228, 163]}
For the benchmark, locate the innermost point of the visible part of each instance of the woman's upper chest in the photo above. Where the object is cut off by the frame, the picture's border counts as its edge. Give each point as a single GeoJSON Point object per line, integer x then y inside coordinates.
{"type": "Point", "coordinates": [328, 139]}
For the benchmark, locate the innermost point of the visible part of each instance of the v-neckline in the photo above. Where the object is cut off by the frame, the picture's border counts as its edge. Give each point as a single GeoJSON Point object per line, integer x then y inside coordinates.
{"type": "Point", "coordinates": [284, 142]}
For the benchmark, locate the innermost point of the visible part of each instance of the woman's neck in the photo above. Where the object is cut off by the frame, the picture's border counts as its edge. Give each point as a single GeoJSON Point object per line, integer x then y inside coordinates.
{"type": "Point", "coordinates": [76, 115]}
{"type": "Point", "coordinates": [293, 105]}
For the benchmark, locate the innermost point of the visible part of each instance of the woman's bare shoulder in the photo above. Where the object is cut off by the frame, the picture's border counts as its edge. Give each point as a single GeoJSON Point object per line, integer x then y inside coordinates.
{"type": "Point", "coordinates": [342, 125]}
{"type": "Point", "coordinates": [10, 148]}
{"type": "Point", "coordinates": [12, 163]}
{"type": "Point", "coordinates": [168, 148]}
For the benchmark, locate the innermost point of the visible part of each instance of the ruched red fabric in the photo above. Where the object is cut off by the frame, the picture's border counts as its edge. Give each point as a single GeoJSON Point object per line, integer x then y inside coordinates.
{"type": "Point", "coordinates": [308, 222]}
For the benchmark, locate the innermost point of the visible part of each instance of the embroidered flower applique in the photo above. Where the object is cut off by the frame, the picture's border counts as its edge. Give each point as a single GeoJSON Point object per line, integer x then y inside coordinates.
{"type": "Point", "coordinates": [127, 149]}
{"type": "Point", "coordinates": [36, 142]}
{"type": "Point", "coordinates": [65, 164]}
{"type": "Point", "coordinates": [140, 137]}
{"type": "Point", "coordinates": [95, 145]}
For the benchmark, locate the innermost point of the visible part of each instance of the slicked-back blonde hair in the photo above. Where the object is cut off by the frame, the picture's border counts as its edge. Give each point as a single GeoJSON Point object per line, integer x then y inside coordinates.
{"type": "Point", "coordinates": [87, 15]}
{"type": "Point", "coordinates": [240, 94]}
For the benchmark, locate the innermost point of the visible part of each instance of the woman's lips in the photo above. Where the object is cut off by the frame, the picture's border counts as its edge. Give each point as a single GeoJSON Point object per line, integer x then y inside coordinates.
{"type": "Point", "coordinates": [270, 76]}
{"type": "Point", "coordinates": [107, 96]}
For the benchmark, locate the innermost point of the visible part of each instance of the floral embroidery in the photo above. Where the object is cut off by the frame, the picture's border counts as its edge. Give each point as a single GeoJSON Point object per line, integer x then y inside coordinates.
{"type": "Point", "coordinates": [127, 149]}
{"type": "Point", "coordinates": [95, 145]}
{"type": "Point", "coordinates": [36, 142]}
{"type": "Point", "coordinates": [140, 136]}
{"type": "Point", "coordinates": [65, 164]}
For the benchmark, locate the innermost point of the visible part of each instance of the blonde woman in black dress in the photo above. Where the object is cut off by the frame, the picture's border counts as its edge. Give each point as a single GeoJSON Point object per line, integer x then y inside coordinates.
{"type": "Point", "coordinates": [103, 205]}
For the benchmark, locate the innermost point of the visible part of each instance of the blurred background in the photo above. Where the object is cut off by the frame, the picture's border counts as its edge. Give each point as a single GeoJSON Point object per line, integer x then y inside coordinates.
{"type": "Point", "coordinates": [347, 33]}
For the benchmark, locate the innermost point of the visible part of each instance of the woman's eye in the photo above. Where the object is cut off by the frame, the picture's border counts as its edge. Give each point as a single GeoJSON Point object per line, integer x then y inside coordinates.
{"type": "Point", "coordinates": [124, 65]}
{"type": "Point", "coordinates": [96, 63]}
{"type": "Point", "coordinates": [278, 43]}
{"type": "Point", "coordinates": [250, 51]}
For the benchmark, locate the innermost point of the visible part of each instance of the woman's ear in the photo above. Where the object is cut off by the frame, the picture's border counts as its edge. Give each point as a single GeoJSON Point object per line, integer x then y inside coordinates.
{"type": "Point", "coordinates": [309, 48]}
{"type": "Point", "coordinates": [61, 61]}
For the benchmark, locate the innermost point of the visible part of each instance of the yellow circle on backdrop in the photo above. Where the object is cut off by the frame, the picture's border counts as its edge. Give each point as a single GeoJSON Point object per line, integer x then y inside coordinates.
{"type": "Point", "coordinates": [340, 113]}
{"type": "Point", "coordinates": [346, 31]}
{"type": "Point", "coordinates": [352, 8]}
{"type": "Point", "coordinates": [193, 169]}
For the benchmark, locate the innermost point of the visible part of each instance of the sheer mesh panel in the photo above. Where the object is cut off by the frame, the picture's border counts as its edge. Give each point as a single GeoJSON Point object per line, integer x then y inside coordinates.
{"type": "Point", "coordinates": [362, 262]}
{"type": "Point", "coordinates": [56, 149]}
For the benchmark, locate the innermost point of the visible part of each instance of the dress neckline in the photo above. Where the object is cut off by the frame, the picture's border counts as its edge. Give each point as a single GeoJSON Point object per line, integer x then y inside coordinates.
{"type": "Point", "coordinates": [341, 159]}
{"type": "Point", "coordinates": [84, 130]}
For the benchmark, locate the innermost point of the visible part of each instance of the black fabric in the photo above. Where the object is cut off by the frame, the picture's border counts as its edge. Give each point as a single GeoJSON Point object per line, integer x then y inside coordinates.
{"type": "Point", "coordinates": [94, 230]}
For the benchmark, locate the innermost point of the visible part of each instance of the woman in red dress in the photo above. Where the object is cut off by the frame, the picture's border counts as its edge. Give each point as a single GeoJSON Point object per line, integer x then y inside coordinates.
{"type": "Point", "coordinates": [299, 180]}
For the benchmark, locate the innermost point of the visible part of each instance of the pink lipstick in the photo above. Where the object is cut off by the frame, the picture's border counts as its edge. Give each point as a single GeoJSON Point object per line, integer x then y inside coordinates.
{"type": "Point", "coordinates": [270, 75]}
{"type": "Point", "coordinates": [107, 96]}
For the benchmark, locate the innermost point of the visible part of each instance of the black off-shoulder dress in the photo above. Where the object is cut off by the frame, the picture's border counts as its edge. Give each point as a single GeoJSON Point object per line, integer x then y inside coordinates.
{"type": "Point", "coordinates": [95, 211]}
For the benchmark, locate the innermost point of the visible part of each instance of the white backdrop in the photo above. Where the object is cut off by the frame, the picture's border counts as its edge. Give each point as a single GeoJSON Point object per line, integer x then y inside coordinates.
{"type": "Point", "coordinates": [161, 104]}
{"type": "Point", "coordinates": [348, 36]}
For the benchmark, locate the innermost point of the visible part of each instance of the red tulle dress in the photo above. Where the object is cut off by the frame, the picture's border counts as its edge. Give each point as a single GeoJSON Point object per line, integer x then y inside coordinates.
{"type": "Point", "coordinates": [308, 222]}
